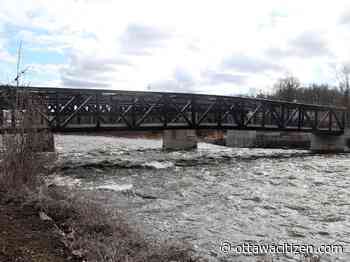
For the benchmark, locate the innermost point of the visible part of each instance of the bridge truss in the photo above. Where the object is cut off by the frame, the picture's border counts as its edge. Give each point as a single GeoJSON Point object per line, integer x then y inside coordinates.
{"type": "Point", "coordinates": [84, 110]}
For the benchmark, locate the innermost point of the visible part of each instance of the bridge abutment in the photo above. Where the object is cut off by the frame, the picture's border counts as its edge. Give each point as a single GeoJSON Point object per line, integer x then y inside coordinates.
{"type": "Point", "coordinates": [323, 143]}
{"type": "Point", "coordinates": [181, 139]}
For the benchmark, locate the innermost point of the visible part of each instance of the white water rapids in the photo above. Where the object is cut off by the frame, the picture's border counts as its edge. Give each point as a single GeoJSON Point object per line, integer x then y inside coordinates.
{"type": "Point", "coordinates": [216, 193]}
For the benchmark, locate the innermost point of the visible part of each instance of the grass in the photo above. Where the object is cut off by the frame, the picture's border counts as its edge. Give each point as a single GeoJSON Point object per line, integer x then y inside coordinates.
{"type": "Point", "coordinates": [96, 234]}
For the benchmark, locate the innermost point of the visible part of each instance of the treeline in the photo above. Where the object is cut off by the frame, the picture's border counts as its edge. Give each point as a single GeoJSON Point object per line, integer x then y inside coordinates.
{"type": "Point", "coordinates": [290, 89]}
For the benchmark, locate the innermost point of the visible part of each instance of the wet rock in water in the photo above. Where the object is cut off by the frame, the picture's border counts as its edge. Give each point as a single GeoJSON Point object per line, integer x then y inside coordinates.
{"type": "Point", "coordinates": [293, 233]}
{"type": "Point", "coordinates": [145, 195]}
{"type": "Point", "coordinates": [116, 187]}
{"type": "Point", "coordinates": [255, 199]}
{"type": "Point", "coordinates": [268, 207]}
{"type": "Point", "coordinates": [323, 233]}
{"type": "Point", "coordinates": [159, 164]}
{"type": "Point", "coordinates": [332, 219]}
{"type": "Point", "coordinates": [297, 208]}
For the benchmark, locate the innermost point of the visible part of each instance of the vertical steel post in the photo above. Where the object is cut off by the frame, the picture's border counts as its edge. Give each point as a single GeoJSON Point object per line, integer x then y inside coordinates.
{"type": "Point", "coordinates": [97, 110]}
{"type": "Point", "coordinates": [133, 112]}
{"type": "Point", "coordinates": [315, 120]}
{"type": "Point", "coordinates": [193, 112]}
{"type": "Point", "coordinates": [165, 110]}
{"type": "Point", "coordinates": [218, 111]}
{"type": "Point", "coordinates": [57, 110]}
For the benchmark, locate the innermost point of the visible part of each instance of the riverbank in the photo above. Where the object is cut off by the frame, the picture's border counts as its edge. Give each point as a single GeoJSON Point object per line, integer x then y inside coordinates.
{"type": "Point", "coordinates": [25, 238]}
{"type": "Point", "coordinates": [58, 226]}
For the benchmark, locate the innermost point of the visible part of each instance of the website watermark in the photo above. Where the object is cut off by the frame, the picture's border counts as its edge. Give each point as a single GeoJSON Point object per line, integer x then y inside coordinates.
{"type": "Point", "coordinates": [257, 249]}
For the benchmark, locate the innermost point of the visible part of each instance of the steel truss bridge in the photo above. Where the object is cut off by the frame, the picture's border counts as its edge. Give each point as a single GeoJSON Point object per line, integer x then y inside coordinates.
{"type": "Point", "coordinates": [85, 110]}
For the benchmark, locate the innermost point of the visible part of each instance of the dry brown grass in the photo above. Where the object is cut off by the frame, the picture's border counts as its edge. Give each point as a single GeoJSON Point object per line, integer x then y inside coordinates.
{"type": "Point", "coordinates": [94, 233]}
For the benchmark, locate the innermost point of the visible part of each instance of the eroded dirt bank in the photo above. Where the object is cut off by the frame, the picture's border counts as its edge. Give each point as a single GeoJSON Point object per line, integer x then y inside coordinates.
{"type": "Point", "coordinates": [26, 238]}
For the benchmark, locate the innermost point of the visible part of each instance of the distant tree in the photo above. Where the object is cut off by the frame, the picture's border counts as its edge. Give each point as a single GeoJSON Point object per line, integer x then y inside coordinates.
{"type": "Point", "coordinates": [290, 89]}
{"type": "Point", "coordinates": [320, 94]}
{"type": "Point", "coordinates": [286, 88]}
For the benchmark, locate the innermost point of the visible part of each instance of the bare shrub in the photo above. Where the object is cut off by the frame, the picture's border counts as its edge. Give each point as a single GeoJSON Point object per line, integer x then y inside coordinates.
{"type": "Point", "coordinates": [21, 167]}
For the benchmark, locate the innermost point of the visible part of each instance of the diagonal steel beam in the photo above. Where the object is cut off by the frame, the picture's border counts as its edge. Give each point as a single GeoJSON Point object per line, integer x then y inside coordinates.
{"type": "Point", "coordinates": [60, 110]}
{"type": "Point", "coordinates": [123, 114]}
{"type": "Point", "coordinates": [126, 111]}
{"type": "Point", "coordinates": [180, 112]}
{"type": "Point", "coordinates": [276, 116]}
{"type": "Point", "coordinates": [253, 114]}
{"type": "Point", "coordinates": [232, 110]}
{"type": "Point", "coordinates": [308, 118]}
{"type": "Point", "coordinates": [339, 123]}
{"type": "Point", "coordinates": [324, 117]}
{"type": "Point", "coordinates": [67, 120]}
{"type": "Point", "coordinates": [145, 115]}
{"type": "Point", "coordinates": [206, 113]}
{"type": "Point", "coordinates": [291, 117]}
{"type": "Point", "coordinates": [144, 103]}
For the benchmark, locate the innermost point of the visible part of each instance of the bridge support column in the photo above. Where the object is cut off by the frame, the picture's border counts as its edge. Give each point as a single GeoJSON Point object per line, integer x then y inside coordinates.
{"type": "Point", "coordinates": [240, 138]}
{"type": "Point", "coordinates": [48, 144]}
{"type": "Point", "coordinates": [40, 141]}
{"type": "Point", "coordinates": [323, 143]}
{"type": "Point", "coordinates": [182, 139]}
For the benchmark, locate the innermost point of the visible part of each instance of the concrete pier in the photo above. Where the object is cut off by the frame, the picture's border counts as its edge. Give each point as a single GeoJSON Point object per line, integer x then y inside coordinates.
{"type": "Point", "coordinates": [182, 139]}
{"type": "Point", "coordinates": [321, 143]}
{"type": "Point", "coordinates": [265, 139]}
{"type": "Point", "coordinates": [240, 138]}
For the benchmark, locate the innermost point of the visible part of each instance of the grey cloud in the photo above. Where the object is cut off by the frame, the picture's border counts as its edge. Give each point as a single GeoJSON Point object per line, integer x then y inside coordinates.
{"type": "Point", "coordinates": [181, 81]}
{"type": "Point", "coordinates": [169, 85]}
{"type": "Point", "coordinates": [57, 41]}
{"type": "Point", "coordinates": [90, 71]}
{"type": "Point", "coordinates": [310, 44]}
{"type": "Point", "coordinates": [244, 63]}
{"type": "Point", "coordinates": [71, 82]}
{"type": "Point", "coordinates": [278, 53]}
{"type": "Point", "coordinates": [96, 64]}
{"type": "Point", "coordinates": [307, 44]}
{"type": "Point", "coordinates": [344, 18]}
{"type": "Point", "coordinates": [5, 56]}
{"type": "Point", "coordinates": [141, 39]}
{"type": "Point", "coordinates": [215, 78]}
{"type": "Point", "coordinates": [183, 77]}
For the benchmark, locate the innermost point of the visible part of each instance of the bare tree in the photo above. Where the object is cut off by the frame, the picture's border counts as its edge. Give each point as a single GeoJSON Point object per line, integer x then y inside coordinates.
{"type": "Point", "coordinates": [22, 137]}
{"type": "Point", "coordinates": [19, 72]}
{"type": "Point", "coordinates": [343, 78]}
{"type": "Point", "coordinates": [285, 88]}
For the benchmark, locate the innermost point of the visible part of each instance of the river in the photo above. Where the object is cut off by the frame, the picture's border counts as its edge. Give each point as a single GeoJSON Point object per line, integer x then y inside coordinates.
{"type": "Point", "coordinates": [215, 193]}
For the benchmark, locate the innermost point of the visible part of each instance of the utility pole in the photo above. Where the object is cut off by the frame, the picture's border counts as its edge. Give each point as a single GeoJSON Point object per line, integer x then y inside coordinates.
{"type": "Point", "coordinates": [19, 54]}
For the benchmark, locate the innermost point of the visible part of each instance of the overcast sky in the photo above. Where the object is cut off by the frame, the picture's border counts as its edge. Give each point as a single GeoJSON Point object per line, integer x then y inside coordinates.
{"type": "Point", "coordinates": [218, 47]}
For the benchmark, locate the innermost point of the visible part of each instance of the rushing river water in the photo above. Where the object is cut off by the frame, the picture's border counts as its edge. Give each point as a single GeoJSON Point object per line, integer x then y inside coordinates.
{"type": "Point", "coordinates": [216, 193]}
